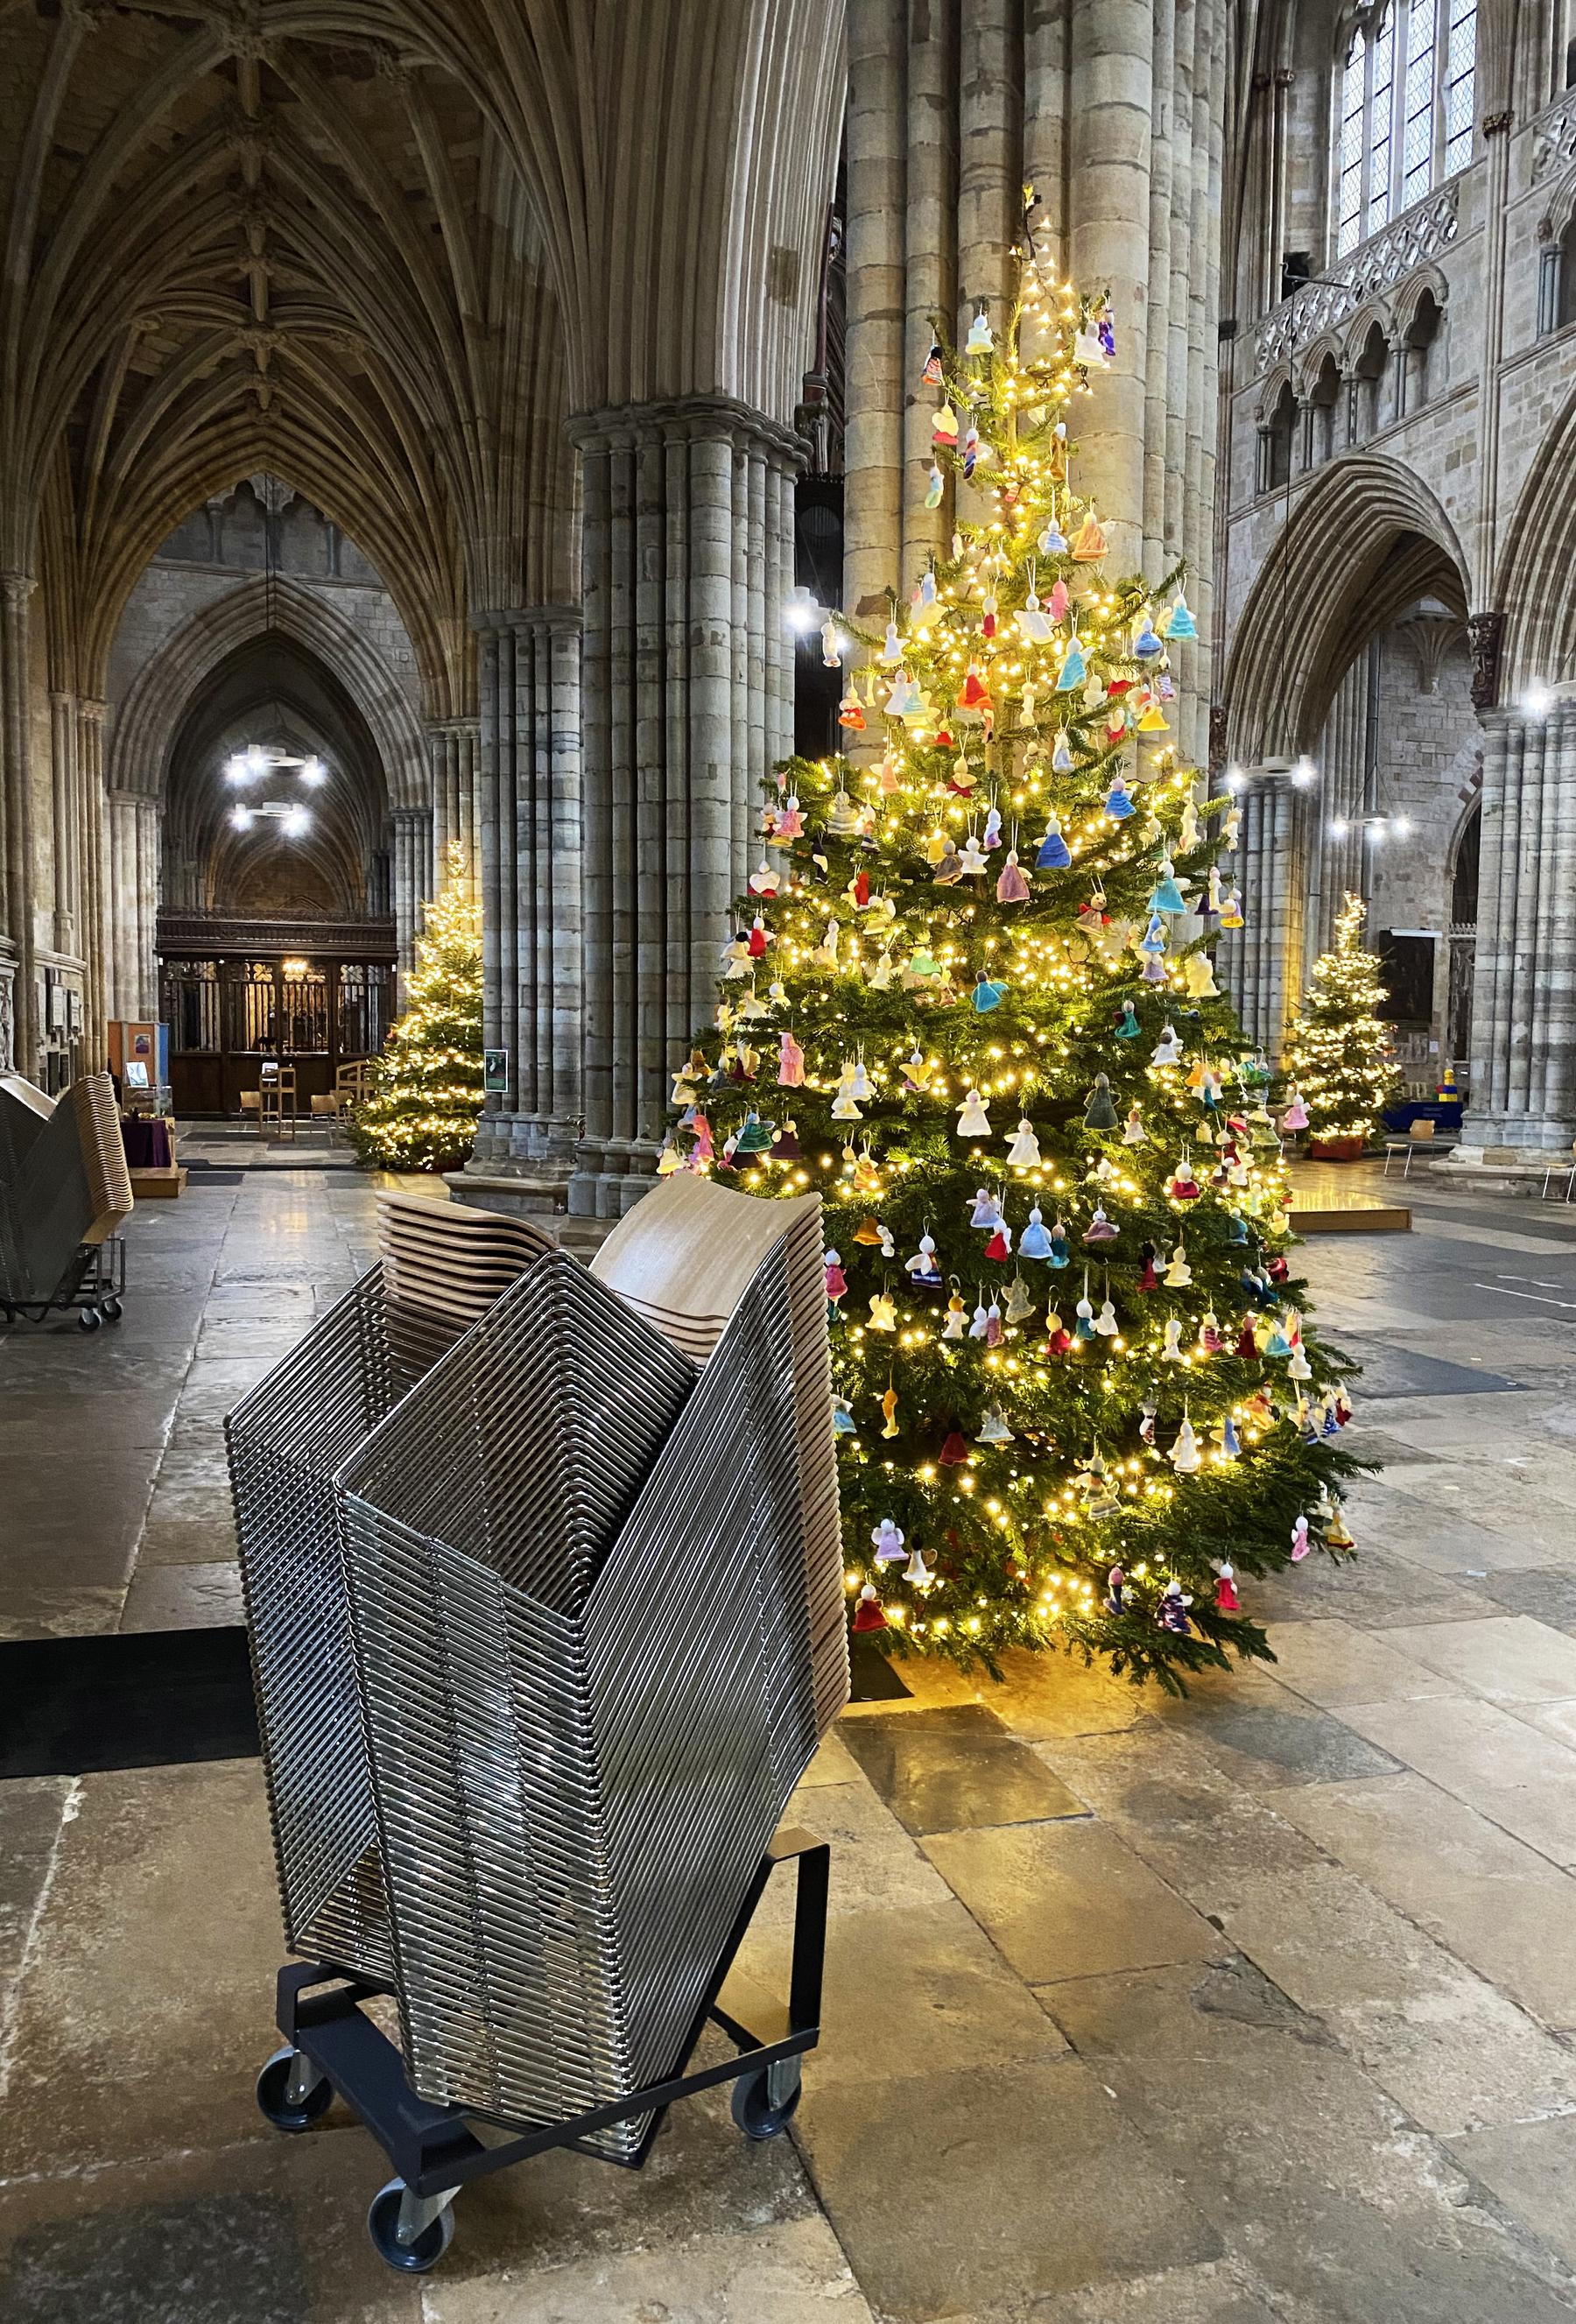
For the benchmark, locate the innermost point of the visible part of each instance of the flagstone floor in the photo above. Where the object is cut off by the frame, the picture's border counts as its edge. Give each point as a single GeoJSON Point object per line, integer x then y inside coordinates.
{"type": "Point", "coordinates": [1257, 2006]}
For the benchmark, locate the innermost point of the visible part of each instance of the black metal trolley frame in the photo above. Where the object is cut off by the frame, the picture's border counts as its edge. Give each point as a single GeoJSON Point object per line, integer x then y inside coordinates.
{"type": "Point", "coordinates": [94, 1284]}
{"type": "Point", "coordinates": [434, 2151]}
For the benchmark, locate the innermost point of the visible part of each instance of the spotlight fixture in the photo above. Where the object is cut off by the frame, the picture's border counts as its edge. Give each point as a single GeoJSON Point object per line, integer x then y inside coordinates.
{"type": "Point", "coordinates": [1537, 701]}
{"type": "Point", "coordinates": [801, 612]}
{"type": "Point", "coordinates": [240, 817]}
{"type": "Point", "coordinates": [314, 773]}
{"type": "Point", "coordinates": [1304, 774]}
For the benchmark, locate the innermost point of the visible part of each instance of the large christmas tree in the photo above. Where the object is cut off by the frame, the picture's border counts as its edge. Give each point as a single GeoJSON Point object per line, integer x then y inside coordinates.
{"type": "Point", "coordinates": [1338, 1060]}
{"type": "Point", "coordinates": [424, 1093]}
{"type": "Point", "coordinates": [970, 999]}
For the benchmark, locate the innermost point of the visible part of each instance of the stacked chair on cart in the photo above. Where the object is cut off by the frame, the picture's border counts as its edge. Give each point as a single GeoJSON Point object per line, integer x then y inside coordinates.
{"type": "Point", "coordinates": [545, 1590]}
{"type": "Point", "coordinates": [64, 1189]}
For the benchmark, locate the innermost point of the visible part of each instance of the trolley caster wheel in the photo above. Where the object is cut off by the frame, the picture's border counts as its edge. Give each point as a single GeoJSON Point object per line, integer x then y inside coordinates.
{"type": "Point", "coordinates": [89, 1319]}
{"type": "Point", "coordinates": [764, 2103]}
{"type": "Point", "coordinates": [110, 1309]}
{"type": "Point", "coordinates": [285, 2095]}
{"type": "Point", "coordinates": [407, 2231]}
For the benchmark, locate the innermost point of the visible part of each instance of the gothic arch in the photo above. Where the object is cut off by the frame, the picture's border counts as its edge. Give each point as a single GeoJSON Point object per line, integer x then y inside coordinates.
{"type": "Point", "coordinates": [1534, 583]}
{"type": "Point", "coordinates": [1366, 538]}
{"type": "Point", "coordinates": [148, 720]}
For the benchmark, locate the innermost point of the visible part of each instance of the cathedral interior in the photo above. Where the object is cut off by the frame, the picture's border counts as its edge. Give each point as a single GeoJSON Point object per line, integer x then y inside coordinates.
{"type": "Point", "coordinates": [433, 434]}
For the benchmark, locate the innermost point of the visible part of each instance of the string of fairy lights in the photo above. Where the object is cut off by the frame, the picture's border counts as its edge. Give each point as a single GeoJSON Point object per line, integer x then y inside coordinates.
{"type": "Point", "coordinates": [969, 998]}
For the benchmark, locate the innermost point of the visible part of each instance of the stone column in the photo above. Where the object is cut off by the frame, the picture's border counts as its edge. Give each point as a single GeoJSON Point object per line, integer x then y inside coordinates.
{"type": "Point", "coordinates": [412, 877]}
{"type": "Point", "coordinates": [135, 833]}
{"type": "Point", "coordinates": [1523, 1095]}
{"type": "Point", "coordinates": [66, 858]}
{"type": "Point", "coordinates": [872, 450]}
{"type": "Point", "coordinates": [531, 888]}
{"type": "Point", "coordinates": [93, 845]}
{"type": "Point", "coordinates": [452, 753]}
{"type": "Point", "coordinates": [680, 720]}
{"type": "Point", "coordinates": [16, 791]}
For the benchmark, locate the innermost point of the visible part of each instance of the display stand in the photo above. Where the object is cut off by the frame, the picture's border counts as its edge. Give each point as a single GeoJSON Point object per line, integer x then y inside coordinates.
{"type": "Point", "coordinates": [335, 2048]}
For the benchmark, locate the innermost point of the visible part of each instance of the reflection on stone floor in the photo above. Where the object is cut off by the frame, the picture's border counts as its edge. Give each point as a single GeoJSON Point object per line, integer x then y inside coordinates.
{"type": "Point", "coordinates": [1255, 2006]}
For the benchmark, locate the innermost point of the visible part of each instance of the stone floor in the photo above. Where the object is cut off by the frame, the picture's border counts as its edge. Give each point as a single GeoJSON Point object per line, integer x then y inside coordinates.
{"type": "Point", "coordinates": [1257, 2006]}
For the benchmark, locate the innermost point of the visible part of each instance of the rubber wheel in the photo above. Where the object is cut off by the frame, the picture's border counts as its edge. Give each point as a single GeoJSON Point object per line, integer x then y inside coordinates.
{"type": "Point", "coordinates": [431, 2245]}
{"type": "Point", "coordinates": [270, 2095]}
{"type": "Point", "coordinates": [754, 2115]}
{"type": "Point", "coordinates": [110, 1309]}
{"type": "Point", "coordinates": [89, 1319]}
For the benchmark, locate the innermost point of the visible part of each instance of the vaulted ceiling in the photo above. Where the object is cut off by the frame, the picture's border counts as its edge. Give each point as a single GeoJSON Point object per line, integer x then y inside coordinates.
{"type": "Point", "coordinates": [380, 248]}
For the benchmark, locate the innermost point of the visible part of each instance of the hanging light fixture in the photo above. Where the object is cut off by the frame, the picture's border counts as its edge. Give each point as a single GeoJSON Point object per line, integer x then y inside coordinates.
{"type": "Point", "coordinates": [272, 758]}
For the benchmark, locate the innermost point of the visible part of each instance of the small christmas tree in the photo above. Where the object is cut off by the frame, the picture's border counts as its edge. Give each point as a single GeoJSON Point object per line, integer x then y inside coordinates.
{"type": "Point", "coordinates": [1337, 1059]}
{"type": "Point", "coordinates": [970, 1000]}
{"type": "Point", "coordinates": [424, 1093]}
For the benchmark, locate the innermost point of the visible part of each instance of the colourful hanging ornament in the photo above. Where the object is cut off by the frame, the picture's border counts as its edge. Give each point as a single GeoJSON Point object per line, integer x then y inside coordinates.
{"type": "Point", "coordinates": [1099, 1112]}
{"type": "Point", "coordinates": [842, 1420]}
{"type": "Point", "coordinates": [993, 1428]}
{"type": "Point", "coordinates": [1061, 1251]}
{"type": "Point", "coordinates": [923, 1270]}
{"type": "Point", "coordinates": [954, 1448]}
{"type": "Point", "coordinates": [837, 1281]}
{"type": "Point", "coordinates": [1147, 645]}
{"type": "Point", "coordinates": [888, 1539]}
{"type": "Point", "coordinates": [1295, 1116]}
{"type": "Point", "coordinates": [989, 993]}
{"type": "Point", "coordinates": [943, 424]}
{"type": "Point", "coordinates": [1100, 1228]}
{"type": "Point", "coordinates": [917, 1573]}
{"type": "Point", "coordinates": [956, 1321]}
{"type": "Point", "coordinates": [1074, 670]}
{"type": "Point", "coordinates": [979, 1321]}
{"type": "Point", "coordinates": [1152, 720]}
{"type": "Point", "coordinates": [1057, 603]}
{"type": "Point", "coordinates": [845, 1106]}
{"type": "Point", "coordinates": [867, 1610]}
{"type": "Point", "coordinates": [1184, 1455]}
{"type": "Point", "coordinates": [1172, 1611]}
{"type": "Point", "coordinates": [1019, 1304]}
{"type": "Point", "coordinates": [973, 1119]}
{"type": "Point", "coordinates": [1053, 540]}
{"type": "Point", "coordinates": [1013, 886]}
{"type": "Point", "coordinates": [1301, 1545]}
{"type": "Point", "coordinates": [1128, 1028]}
{"type": "Point", "coordinates": [850, 712]}
{"type": "Point", "coordinates": [1033, 623]}
{"type": "Point", "coordinates": [931, 374]}
{"type": "Point", "coordinates": [883, 1312]}
{"type": "Point", "coordinates": [1178, 1273]}
{"type": "Point", "coordinates": [1232, 911]}
{"type": "Point", "coordinates": [1034, 1242]}
{"type": "Point", "coordinates": [1171, 1349]}
{"type": "Point", "coordinates": [1168, 1049]}
{"type": "Point", "coordinates": [935, 486]}
{"type": "Point", "coordinates": [1181, 623]}
{"type": "Point", "coordinates": [972, 860]}
{"type": "Point", "coordinates": [979, 341]}
{"type": "Point", "coordinates": [949, 869]}
{"type": "Point", "coordinates": [974, 693]}
{"type": "Point", "coordinates": [1000, 1247]}
{"type": "Point", "coordinates": [1118, 803]}
{"type": "Point", "coordinates": [1198, 977]}
{"type": "Point", "coordinates": [1089, 542]}
{"type": "Point", "coordinates": [1054, 852]}
{"type": "Point", "coordinates": [1167, 896]}
{"type": "Point", "coordinates": [1183, 1186]}
{"type": "Point", "coordinates": [1024, 1153]}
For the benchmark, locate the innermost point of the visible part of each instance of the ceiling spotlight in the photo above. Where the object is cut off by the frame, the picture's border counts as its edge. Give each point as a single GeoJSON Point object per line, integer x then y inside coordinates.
{"type": "Point", "coordinates": [1305, 773]}
{"type": "Point", "coordinates": [1339, 827]}
{"type": "Point", "coordinates": [240, 817]}
{"type": "Point", "coordinates": [237, 771]}
{"type": "Point", "coordinates": [256, 759]}
{"type": "Point", "coordinates": [1234, 778]}
{"type": "Point", "coordinates": [295, 822]}
{"type": "Point", "coordinates": [1537, 701]}
{"type": "Point", "coordinates": [1401, 825]}
{"type": "Point", "coordinates": [314, 772]}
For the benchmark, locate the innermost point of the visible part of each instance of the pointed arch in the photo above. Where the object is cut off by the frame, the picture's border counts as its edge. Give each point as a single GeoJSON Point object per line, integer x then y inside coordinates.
{"type": "Point", "coordinates": [146, 724]}
{"type": "Point", "coordinates": [1366, 538]}
{"type": "Point", "coordinates": [1533, 581]}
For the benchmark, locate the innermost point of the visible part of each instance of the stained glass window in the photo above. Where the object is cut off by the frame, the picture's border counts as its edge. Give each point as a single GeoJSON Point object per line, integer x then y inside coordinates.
{"type": "Point", "coordinates": [1404, 97]}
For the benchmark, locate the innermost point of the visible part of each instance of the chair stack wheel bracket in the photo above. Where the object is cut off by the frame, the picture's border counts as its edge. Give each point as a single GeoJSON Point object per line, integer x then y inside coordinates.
{"type": "Point", "coordinates": [335, 2050]}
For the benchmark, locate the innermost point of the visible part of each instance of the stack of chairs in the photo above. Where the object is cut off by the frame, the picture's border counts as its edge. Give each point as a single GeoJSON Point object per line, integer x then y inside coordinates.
{"type": "Point", "coordinates": [64, 1185]}
{"type": "Point", "coordinates": [443, 1265]}
{"type": "Point", "coordinates": [543, 1642]}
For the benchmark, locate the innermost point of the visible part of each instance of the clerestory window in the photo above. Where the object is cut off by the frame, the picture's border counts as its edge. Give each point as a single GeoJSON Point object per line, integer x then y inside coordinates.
{"type": "Point", "coordinates": [1402, 110]}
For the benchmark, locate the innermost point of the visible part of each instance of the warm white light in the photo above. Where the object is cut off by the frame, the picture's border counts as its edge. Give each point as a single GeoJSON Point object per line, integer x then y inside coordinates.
{"type": "Point", "coordinates": [1305, 773]}
{"type": "Point", "coordinates": [295, 822]}
{"type": "Point", "coordinates": [1339, 827]}
{"type": "Point", "coordinates": [240, 818]}
{"type": "Point", "coordinates": [1537, 701]}
{"type": "Point", "coordinates": [1234, 778]}
{"type": "Point", "coordinates": [314, 772]}
{"type": "Point", "coordinates": [801, 611]}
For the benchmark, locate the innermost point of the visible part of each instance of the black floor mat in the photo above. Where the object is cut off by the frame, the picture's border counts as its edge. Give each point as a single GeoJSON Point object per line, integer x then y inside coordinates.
{"type": "Point", "coordinates": [203, 1174]}
{"type": "Point", "coordinates": [872, 1675]}
{"type": "Point", "coordinates": [149, 1699]}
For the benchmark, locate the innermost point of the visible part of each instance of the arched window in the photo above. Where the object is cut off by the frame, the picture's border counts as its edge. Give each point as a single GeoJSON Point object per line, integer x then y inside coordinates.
{"type": "Point", "coordinates": [1403, 110]}
{"type": "Point", "coordinates": [1420, 354]}
{"type": "Point", "coordinates": [1276, 441]}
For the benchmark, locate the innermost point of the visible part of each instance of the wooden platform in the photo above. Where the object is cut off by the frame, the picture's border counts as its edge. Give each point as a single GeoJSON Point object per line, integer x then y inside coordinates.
{"type": "Point", "coordinates": [1346, 1198]}
{"type": "Point", "coordinates": [159, 1186]}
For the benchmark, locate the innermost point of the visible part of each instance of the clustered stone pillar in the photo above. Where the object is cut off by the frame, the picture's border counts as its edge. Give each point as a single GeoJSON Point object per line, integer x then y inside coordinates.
{"type": "Point", "coordinates": [94, 846]}
{"type": "Point", "coordinates": [17, 847]}
{"type": "Point", "coordinates": [135, 836]}
{"type": "Point", "coordinates": [1523, 999]}
{"type": "Point", "coordinates": [1272, 847]}
{"type": "Point", "coordinates": [686, 688]}
{"type": "Point", "coordinates": [455, 759]}
{"type": "Point", "coordinates": [530, 818]}
{"type": "Point", "coordinates": [1113, 110]}
{"type": "Point", "coordinates": [67, 852]}
{"type": "Point", "coordinates": [413, 876]}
